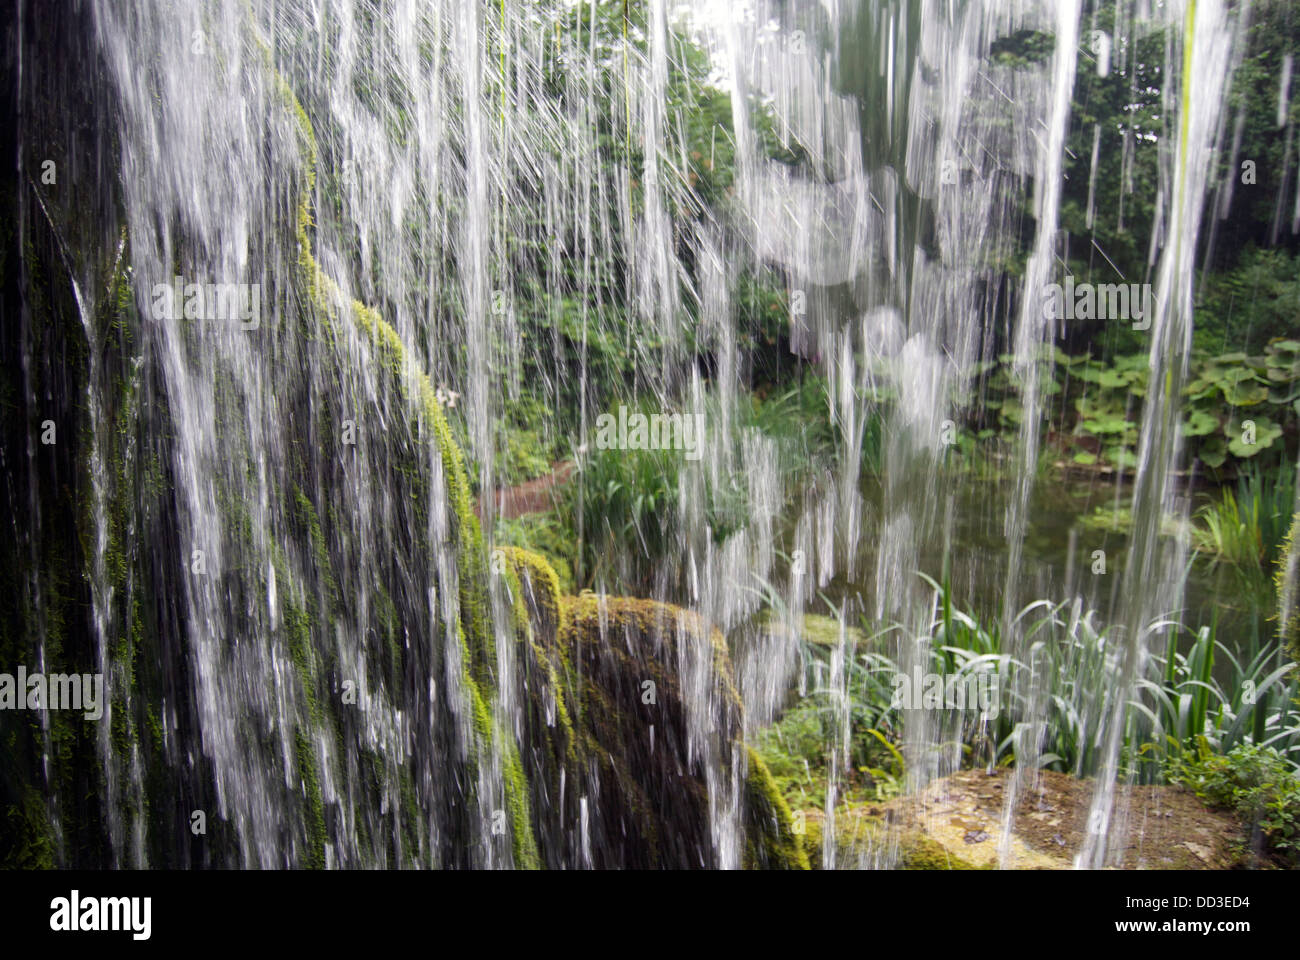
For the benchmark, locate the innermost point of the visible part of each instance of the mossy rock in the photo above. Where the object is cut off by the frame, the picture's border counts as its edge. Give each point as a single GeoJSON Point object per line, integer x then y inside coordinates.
{"type": "Point", "coordinates": [653, 810]}
{"type": "Point", "coordinates": [552, 761]}
{"type": "Point", "coordinates": [540, 582]}
{"type": "Point", "coordinates": [919, 852]}
{"type": "Point", "coordinates": [863, 830]}
{"type": "Point", "coordinates": [772, 841]}
{"type": "Point", "coordinates": [821, 631]}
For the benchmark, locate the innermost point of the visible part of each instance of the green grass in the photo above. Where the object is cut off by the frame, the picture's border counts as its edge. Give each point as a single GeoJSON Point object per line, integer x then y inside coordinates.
{"type": "Point", "coordinates": [1245, 526]}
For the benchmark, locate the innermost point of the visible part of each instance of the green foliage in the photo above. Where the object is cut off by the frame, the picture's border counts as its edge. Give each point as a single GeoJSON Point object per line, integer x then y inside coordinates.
{"type": "Point", "coordinates": [1257, 782]}
{"type": "Point", "coordinates": [1249, 221]}
{"type": "Point", "coordinates": [572, 299]}
{"type": "Point", "coordinates": [526, 443]}
{"type": "Point", "coordinates": [1286, 583]}
{"type": "Point", "coordinates": [1246, 526]}
{"type": "Point", "coordinates": [1126, 107]}
{"type": "Point", "coordinates": [28, 828]}
{"type": "Point", "coordinates": [1250, 294]}
{"type": "Point", "coordinates": [772, 841]}
{"type": "Point", "coordinates": [799, 422]}
{"type": "Point", "coordinates": [525, 456]}
{"type": "Point", "coordinates": [629, 501]}
{"type": "Point", "coordinates": [546, 533]}
{"type": "Point", "coordinates": [1237, 408]}
{"type": "Point", "coordinates": [796, 750]}
{"type": "Point", "coordinates": [625, 501]}
{"type": "Point", "coordinates": [1255, 301]}
{"type": "Point", "coordinates": [1022, 49]}
{"type": "Point", "coordinates": [1229, 399]}
{"type": "Point", "coordinates": [1197, 695]}
{"type": "Point", "coordinates": [762, 308]}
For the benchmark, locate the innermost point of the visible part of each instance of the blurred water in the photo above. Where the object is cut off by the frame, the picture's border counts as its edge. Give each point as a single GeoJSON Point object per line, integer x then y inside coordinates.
{"type": "Point", "coordinates": [462, 181]}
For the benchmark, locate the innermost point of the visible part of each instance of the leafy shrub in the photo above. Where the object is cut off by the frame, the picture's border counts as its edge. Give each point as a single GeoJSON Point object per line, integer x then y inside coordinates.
{"type": "Point", "coordinates": [1255, 781]}
{"type": "Point", "coordinates": [627, 501]}
{"type": "Point", "coordinates": [1237, 408]}
{"type": "Point", "coordinates": [1256, 301]}
{"type": "Point", "coordinates": [546, 533]}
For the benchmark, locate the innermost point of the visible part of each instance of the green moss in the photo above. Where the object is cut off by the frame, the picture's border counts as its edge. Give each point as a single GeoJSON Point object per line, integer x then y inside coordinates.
{"type": "Point", "coordinates": [523, 843]}
{"type": "Point", "coordinates": [155, 732]}
{"type": "Point", "coordinates": [306, 515]}
{"type": "Point", "coordinates": [860, 827]}
{"type": "Point", "coordinates": [535, 587]}
{"type": "Point", "coordinates": [476, 636]}
{"type": "Point", "coordinates": [615, 646]}
{"type": "Point", "coordinates": [919, 852]}
{"type": "Point", "coordinates": [545, 534]}
{"type": "Point", "coordinates": [772, 842]}
{"type": "Point", "coordinates": [580, 618]}
{"type": "Point", "coordinates": [540, 574]}
{"type": "Point", "coordinates": [297, 625]}
{"type": "Point", "coordinates": [315, 808]}
{"type": "Point", "coordinates": [548, 626]}
{"type": "Point", "coordinates": [29, 824]}
{"type": "Point", "coordinates": [824, 631]}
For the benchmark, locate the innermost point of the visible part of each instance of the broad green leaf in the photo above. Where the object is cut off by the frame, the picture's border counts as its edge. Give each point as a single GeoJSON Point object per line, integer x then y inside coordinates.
{"type": "Point", "coordinates": [1199, 424]}
{"type": "Point", "coordinates": [1108, 425]}
{"type": "Point", "coordinates": [1265, 432]}
{"type": "Point", "coordinates": [1246, 394]}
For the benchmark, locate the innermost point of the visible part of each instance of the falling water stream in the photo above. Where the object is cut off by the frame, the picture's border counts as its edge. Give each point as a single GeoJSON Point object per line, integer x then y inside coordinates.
{"type": "Point", "coordinates": [445, 163]}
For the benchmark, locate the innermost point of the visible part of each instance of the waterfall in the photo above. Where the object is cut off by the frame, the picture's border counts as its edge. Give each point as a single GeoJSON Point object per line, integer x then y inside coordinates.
{"type": "Point", "coordinates": [308, 315]}
{"type": "Point", "coordinates": [1153, 583]}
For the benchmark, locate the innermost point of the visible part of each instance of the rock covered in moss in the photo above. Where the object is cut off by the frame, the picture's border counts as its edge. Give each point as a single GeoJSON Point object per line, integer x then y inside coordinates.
{"type": "Point", "coordinates": [773, 842]}
{"type": "Point", "coordinates": [655, 700]}
{"type": "Point", "coordinates": [631, 721]}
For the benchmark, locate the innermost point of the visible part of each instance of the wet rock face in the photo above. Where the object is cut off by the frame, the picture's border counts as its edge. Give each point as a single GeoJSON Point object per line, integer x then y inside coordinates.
{"type": "Point", "coordinates": [656, 701]}
{"type": "Point", "coordinates": [620, 744]}
{"type": "Point", "coordinates": [619, 762]}
{"type": "Point", "coordinates": [58, 229]}
{"type": "Point", "coordinates": [635, 728]}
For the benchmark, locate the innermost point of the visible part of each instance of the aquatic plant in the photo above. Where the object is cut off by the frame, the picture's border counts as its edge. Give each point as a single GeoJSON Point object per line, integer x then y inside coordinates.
{"type": "Point", "coordinates": [1196, 695]}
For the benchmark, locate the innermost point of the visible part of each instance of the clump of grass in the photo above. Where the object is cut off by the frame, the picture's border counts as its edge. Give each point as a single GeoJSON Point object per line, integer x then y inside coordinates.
{"type": "Point", "coordinates": [798, 420]}
{"type": "Point", "coordinates": [1245, 526]}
